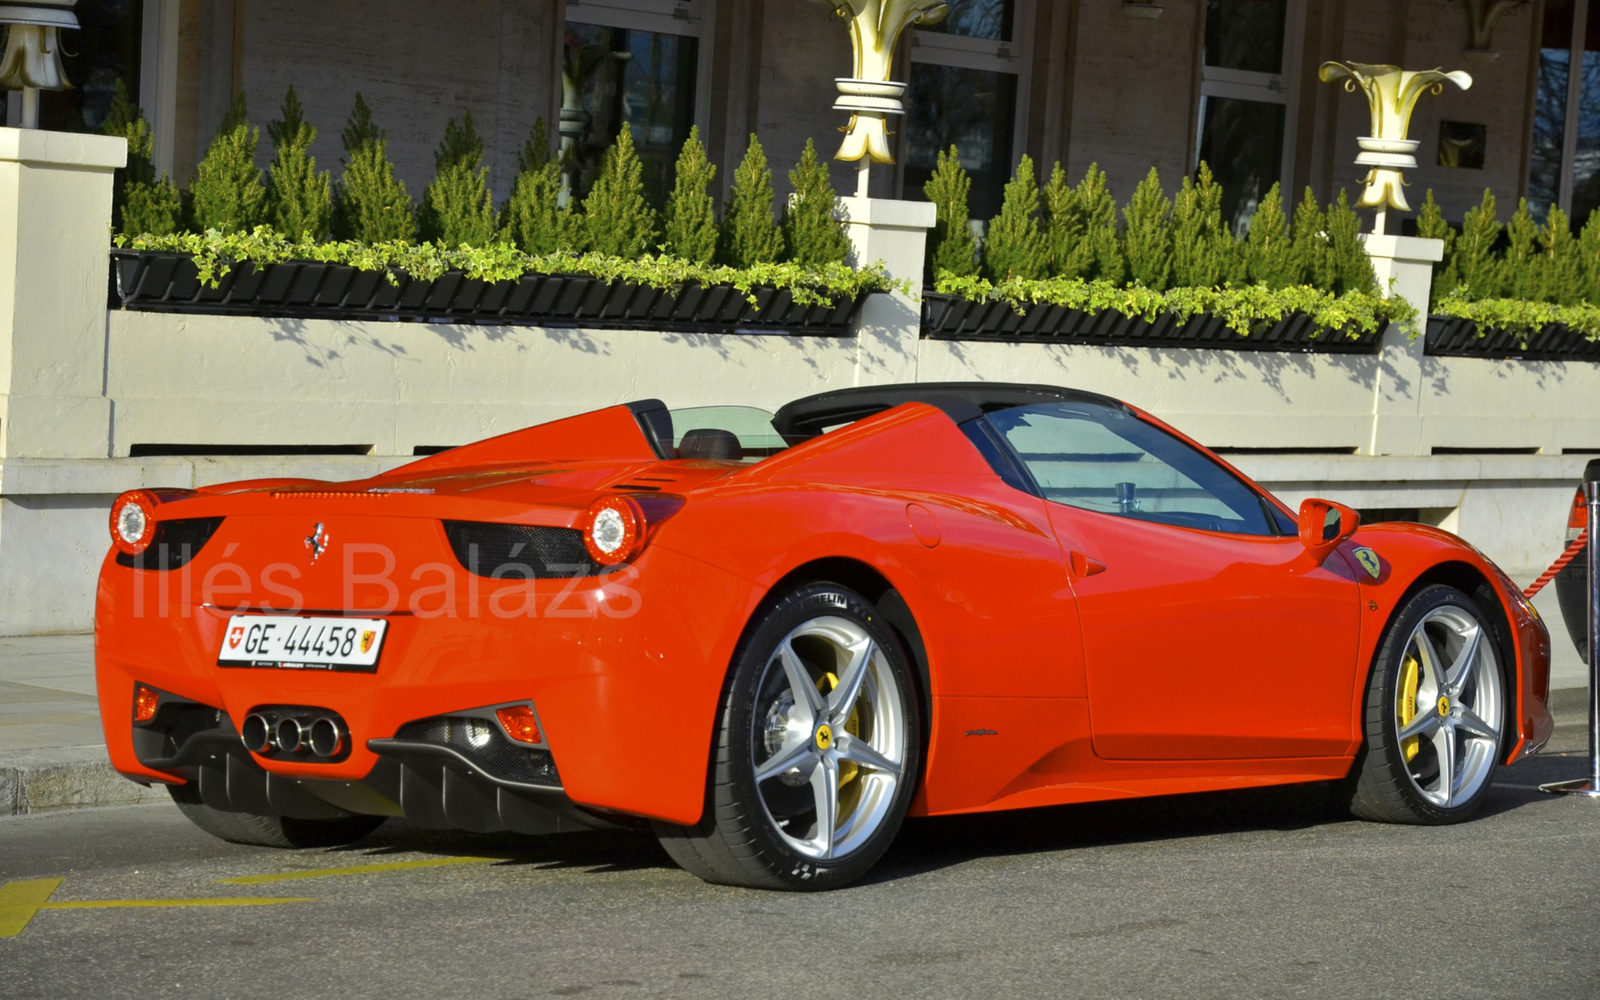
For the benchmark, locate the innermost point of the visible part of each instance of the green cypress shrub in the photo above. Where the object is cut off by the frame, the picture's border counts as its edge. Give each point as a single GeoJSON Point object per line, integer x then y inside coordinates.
{"type": "Point", "coordinates": [1557, 269]}
{"type": "Point", "coordinates": [1099, 211]}
{"type": "Point", "coordinates": [533, 218]}
{"type": "Point", "coordinates": [812, 229]}
{"type": "Point", "coordinates": [618, 220]}
{"type": "Point", "coordinates": [457, 208]}
{"type": "Point", "coordinates": [1352, 268]}
{"type": "Point", "coordinates": [691, 223]}
{"type": "Point", "coordinates": [750, 235]}
{"type": "Point", "coordinates": [141, 203]}
{"type": "Point", "coordinates": [1202, 245]}
{"type": "Point", "coordinates": [371, 204]}
{"type": "Point", "coordinates": [1268, 249]}
{"type": "Point", "coordinates": [1308, 243]}
{"type": "Point", "coordinates": [1431, 225]}
{"type": "Point", "coordinates": [227, 194]}
{"type": "Point", "coordinates": [1474, 256]}
{"type": "Point", "coordinates": [953, 249]}
{"type": "Point", "coordinates": [1147, 234]}
{"type": "Point", "coordinates": [1065, 229]}
{"type": "Point", "coordinates": [1015, 248]}
{"type": "Point", "coordinates": [299, 200]}
{"type": "Point", "coordinates": [1589, 259]}
{"type": "Point", "coordinates": [1515, 274]}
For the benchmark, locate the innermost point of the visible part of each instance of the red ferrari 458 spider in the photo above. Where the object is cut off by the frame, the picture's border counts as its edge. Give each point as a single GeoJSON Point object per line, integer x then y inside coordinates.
{"type": "Point", "coordinates": [769, 637]}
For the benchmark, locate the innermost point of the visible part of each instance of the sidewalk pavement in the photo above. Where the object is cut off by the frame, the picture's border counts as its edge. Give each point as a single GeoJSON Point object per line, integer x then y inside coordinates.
{"type": "Point", "coordinates": [53, 753]}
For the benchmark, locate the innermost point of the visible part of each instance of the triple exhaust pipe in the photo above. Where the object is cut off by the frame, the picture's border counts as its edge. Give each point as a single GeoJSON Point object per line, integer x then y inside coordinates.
{"type": "Point", "coordinates": [267, 733]}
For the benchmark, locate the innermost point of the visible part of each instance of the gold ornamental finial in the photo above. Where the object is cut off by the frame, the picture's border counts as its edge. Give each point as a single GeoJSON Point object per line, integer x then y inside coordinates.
{"type": "Point", "coordinates": [31, 61]}
{"type": "Point", "coordinates": [870, 96]}
{"type": "Point", "coordinates": [1392, 95]}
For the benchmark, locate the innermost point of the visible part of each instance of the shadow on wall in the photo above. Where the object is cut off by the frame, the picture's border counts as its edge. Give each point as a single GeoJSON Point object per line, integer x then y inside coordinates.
{"type": "Point", "coordinates": [1270, 368]}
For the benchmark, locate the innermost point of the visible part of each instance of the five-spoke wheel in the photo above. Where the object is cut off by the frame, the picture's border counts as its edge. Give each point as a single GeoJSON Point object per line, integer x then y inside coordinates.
{"type": "Point", "coordinates": [1436, 709]}
{"type": "Point", "coordinates": [817, 750]}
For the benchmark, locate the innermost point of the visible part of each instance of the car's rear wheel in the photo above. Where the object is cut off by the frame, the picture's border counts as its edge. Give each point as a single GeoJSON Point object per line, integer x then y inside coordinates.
{"type": "Point", "coordinates": [271, 831]}
{"type": "Point", "coordinates": [817, 749]}
{"type": "Point", "coordinates": [1435, 714]}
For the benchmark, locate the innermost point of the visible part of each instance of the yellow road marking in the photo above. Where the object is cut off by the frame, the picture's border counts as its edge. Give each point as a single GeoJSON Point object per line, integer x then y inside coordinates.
{"type": "Point", "coordinates": [388, 866]}
{"type": "Point", "coordinates": [19, 901]}
{"type": "Point", "coordinates": [112, 904]}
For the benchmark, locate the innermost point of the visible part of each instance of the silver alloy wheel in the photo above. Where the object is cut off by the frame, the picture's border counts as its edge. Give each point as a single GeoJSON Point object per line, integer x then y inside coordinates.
{"type": "Point", "coordinates": [1451, 704]}
{"type": "Point", "coordinates": [832, 722]}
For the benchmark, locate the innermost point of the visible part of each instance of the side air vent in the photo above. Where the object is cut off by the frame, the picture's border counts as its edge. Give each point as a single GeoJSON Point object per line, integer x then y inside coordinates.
{"type": "Point", "coordinates": [482, 743]}
{"type": "Point", "coordinates": [519, 551]}
{"type": "Point", "coordinates": [175, 544]}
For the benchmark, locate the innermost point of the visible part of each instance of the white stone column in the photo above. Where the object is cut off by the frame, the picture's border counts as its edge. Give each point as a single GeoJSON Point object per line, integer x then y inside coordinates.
{"type": "Point", "coordinates": [1404, 266]}
{"type": "Point", "coordinates": [55, 233]}
{"type": "Point", "coordinates": [889, 326]}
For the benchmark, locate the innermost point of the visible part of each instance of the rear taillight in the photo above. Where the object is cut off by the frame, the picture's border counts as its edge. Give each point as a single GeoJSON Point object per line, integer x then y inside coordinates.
{"type": "Point", "coordinates": [616, 528]}
{"type": "Point", "coordinates": [1579, 516]}
{"type": "Point", "coordinates": [133, 521]}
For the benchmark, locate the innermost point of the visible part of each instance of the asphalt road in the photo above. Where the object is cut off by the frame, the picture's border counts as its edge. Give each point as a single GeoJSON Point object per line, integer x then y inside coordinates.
{"type": "Point", "coordinates": [1271, 893]}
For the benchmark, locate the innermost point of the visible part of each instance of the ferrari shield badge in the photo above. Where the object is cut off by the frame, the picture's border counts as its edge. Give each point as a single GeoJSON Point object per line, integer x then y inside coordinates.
{"type": "Point", "coordinates": [1369, 561]}
{"type": "Point", "coordinates": [366, 640]}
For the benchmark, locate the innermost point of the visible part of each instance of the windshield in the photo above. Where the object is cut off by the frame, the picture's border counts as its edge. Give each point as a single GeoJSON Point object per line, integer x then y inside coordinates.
{"type": "Point", "coordinates": [725, 433]}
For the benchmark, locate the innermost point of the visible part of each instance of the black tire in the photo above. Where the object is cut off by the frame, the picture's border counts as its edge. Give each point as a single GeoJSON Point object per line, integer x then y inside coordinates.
{"type": "Point", "coordinates": [271, 831]}
{"type": "Point", "coordinates": [737, 842]}
{"type": "Point", "coordinates": [1382, 786]}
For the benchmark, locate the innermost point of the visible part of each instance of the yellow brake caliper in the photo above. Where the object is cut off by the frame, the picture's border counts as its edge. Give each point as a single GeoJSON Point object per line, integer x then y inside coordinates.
{"type": "Point", "coordinates": [1410, 675]}
{"type": "Point", "coordinates": [848, 769]}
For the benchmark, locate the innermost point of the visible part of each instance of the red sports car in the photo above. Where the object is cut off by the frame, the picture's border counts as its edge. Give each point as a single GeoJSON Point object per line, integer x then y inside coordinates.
{"type": "Point", "coordinates": [769, 637]}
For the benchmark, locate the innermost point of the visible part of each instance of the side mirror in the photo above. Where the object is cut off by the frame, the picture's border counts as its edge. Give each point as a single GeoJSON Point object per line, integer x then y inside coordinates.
{"type": "Point", "coordinates": [1324, 524]}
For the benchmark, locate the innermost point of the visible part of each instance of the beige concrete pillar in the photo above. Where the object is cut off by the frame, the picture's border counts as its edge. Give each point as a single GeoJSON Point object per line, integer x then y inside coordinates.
{"type": "Point", "coordinates": [1404, 266]}
{"type": "Point", "coordinates": [889, 326]}
{"type": "Point", "coordinates": [55, 230]}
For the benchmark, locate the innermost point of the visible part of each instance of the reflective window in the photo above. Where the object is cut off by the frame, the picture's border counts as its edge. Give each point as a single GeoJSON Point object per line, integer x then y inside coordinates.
{"type": "Point", "coordinates": [967, 89]}
{"type": "Point", "coordinates": [103, 51]}
{"type": "Point", "coordinates": [1245, 107]}
{"type": "Point", "coordinates": [643, 78]}
{"type": "Point", "coordinates": [972, 110]}
{"type": "Point", "coordinates": [978, 19]}
{"type": "Point", "coordinates": [1242, 141]}
{"type": "Point", "coordinates": [1245, 34]}
{"type": "Point", "coordinates": [1563, 168]}
{"type": "Point", "coordinates": [1109, 461]}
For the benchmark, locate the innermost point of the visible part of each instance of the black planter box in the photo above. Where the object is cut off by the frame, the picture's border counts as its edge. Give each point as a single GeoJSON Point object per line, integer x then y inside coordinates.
{"type": "Point", "coordinates": [1452, 337]}
{"type": "Point", "coordinates": [948, 317]}
{"type": "Point", "coordinates": [154, 281]}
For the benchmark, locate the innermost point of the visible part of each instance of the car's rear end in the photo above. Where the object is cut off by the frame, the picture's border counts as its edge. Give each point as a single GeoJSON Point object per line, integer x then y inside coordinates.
{"type": "Point", "coordinates": [452, 649]}
{"type": "Point", "coordinates": [1572, 583]}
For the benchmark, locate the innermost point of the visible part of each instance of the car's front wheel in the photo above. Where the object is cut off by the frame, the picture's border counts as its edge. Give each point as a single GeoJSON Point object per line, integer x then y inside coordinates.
{"type": "Point", "coordinates": [1435, 713]}
{"type": "Point", "coordinates": [817, 750]}
{"type": "Point", "coordinates": [271, 831]}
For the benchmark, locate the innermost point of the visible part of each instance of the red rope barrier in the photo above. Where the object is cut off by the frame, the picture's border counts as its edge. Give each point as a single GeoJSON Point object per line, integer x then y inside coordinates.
{"type": "Point", "coordinates": [1557, 566]}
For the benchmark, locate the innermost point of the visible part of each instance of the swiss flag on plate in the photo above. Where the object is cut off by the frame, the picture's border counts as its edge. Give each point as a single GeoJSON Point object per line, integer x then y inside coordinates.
{"type": "Point", "coordinates": [234, 637]}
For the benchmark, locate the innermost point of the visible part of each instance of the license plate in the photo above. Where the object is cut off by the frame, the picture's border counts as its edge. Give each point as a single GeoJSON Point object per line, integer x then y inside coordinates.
{"type": "Point", "coordinates": [294, 642]}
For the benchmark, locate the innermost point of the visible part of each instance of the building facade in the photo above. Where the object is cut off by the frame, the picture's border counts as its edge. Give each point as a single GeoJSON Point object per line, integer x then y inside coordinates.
{"type": "Point", "coordinates": [1232, 82]}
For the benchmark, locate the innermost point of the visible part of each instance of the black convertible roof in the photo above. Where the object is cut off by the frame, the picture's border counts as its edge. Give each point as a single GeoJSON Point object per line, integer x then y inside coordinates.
{"type": "Point", "coordinates": [808, 417]}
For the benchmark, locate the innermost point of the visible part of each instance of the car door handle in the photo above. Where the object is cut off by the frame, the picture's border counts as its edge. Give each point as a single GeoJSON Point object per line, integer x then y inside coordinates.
{"type": "Point", "coordinates": [1082, 565]}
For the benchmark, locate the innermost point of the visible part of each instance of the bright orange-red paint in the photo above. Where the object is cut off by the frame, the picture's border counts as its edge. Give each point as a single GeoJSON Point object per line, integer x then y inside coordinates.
{"type": "Point", "coordinates": [1070, 656]}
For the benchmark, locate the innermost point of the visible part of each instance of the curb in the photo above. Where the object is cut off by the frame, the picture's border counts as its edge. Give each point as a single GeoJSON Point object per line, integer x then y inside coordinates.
{"type": "Point", "coordinates": [33, 781]}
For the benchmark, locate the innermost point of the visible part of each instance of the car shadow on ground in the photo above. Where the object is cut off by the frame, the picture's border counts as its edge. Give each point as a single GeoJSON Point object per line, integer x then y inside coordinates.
{"type": "Point", "coordinates": [930, 844]}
